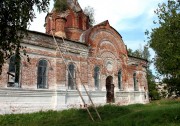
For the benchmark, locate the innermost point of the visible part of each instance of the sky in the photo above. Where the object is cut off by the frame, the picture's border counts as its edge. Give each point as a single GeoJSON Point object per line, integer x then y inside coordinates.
{"type": "Point", "coordinates": [130, 18]}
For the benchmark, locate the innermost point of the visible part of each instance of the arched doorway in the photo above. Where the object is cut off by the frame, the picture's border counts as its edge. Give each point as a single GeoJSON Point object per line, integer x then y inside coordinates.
{"type": "Point", "coordinates": [109, 89]}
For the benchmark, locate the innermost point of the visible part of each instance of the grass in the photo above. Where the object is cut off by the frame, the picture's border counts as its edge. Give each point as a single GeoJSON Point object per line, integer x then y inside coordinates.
{"type": "Point", "coordinates": [158, 113]}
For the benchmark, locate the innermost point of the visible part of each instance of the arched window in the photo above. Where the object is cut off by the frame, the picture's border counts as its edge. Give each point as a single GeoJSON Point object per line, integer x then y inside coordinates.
{"type": "Point", "coordinates": [96, 76]}
{"type": "Point", "coordinates": [12, 64]}
{"type": "Point", "coordinates": [119, 79]}
{"type": "Point", "coordinates": [42, 74]}
{"type": "Point", "coordinates": [135, 82]}
{"type": "Point", "coordinates": [71, 76]}
{"type": "Point", "coordinates": [14, 71]}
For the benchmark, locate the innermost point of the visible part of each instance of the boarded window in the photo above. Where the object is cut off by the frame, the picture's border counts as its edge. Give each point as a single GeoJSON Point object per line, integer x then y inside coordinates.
{"type": "Point", "coordinates": [42, 74]}
{"type": "Point", "coordinates": [96, 76]}
{"type": "Point", "coordinates": [119, 79]}
{"type": "Point", "coordinates": [71, 76]}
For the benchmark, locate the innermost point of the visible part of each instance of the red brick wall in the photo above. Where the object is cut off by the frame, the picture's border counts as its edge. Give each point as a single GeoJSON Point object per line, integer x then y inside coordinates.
{"type": "Point", "coordinates": [102, 44]}
{"type": "Point", "coordinates": [76, 23]}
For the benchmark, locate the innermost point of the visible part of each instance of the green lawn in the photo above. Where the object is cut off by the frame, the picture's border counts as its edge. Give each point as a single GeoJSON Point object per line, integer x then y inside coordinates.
{"type": "Point", "coordinates": [158, 113]}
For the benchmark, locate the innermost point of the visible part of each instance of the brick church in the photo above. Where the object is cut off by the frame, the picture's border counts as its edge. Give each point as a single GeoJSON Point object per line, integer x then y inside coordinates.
{"type": "Point", "coordinates": [69, 55]}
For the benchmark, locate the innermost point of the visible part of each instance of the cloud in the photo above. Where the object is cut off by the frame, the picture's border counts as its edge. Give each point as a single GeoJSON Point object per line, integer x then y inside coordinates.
{"type": "Point", "coordinates": [119, 11]}
{"type": "Point", "coordinates": [129, 17]}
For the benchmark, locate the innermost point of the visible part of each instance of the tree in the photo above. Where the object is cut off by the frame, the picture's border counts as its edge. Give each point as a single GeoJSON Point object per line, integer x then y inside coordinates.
{"type": "Point", "coordinates": [136, 53]}
{"type": "Point", "coordinates": [130, 52]}
{"type": "Point", "coordinates": [89, 11]}
{"type": "Point", "coordinates": [15, 16]}
{"type": "Point", "coordinates": [152, 86]}
{"type": "Point", "coordinates": [146, 53]}
{"type": "Point", "coordinates": [60, 5]}
{"type": "Point", "coordinates": [165, 41]}
{"type": "Point", "coordinates": [140, 53]}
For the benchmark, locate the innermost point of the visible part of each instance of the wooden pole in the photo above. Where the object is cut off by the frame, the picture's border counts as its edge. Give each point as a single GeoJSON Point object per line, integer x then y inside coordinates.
{"type": "Point", "coordinates": [85, 89]}
{"type": "Point", "coordinates": [71, 76]}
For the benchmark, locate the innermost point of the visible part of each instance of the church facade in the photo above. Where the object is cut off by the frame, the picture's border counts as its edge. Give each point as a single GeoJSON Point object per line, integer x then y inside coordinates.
{"type": "Point", "coordinates": [71, 56]}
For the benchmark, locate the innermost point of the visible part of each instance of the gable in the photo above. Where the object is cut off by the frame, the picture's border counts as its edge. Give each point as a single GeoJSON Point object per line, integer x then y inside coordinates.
{"type": "Point", "coordinates": [103, 37]}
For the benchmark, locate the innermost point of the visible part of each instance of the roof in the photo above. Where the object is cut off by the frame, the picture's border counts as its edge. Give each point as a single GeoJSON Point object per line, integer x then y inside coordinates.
{"type": "Point", "coordinates": [86, 33]}
{"type": "Point", "coordinates": [74, 5]}
{"type": "Point", "coordinates": [40, 33]}
{"type": "Point", "coordinates": [138, 58]}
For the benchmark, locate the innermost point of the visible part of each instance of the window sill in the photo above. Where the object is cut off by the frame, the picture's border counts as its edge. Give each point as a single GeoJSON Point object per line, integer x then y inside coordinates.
{"type": "Point", "coordinates": [42, 88]}
{"type": "Point", "coordinates": [71, 90]}
{"type": "Point", "coordinates": [14, 87]}
{"type": "Point", "coordinates": [121, 89]}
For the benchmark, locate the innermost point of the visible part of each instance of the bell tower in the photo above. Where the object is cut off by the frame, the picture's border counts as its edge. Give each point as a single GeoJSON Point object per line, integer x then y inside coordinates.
{"type": "Point", "coordinates": [68, 24]}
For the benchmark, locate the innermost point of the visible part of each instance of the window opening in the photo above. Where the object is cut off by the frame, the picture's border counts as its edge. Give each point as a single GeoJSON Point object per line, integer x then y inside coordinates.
{"type": "Point", "coordinates": [42, 74]}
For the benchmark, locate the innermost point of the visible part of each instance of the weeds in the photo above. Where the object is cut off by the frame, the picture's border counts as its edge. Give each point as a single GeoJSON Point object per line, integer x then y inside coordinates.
{"type": "Point", "coordinates": [158, 113]}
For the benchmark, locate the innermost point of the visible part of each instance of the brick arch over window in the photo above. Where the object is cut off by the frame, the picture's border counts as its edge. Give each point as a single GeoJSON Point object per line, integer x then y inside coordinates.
{"type": "Point", "coordinates": [71, 77]}
{"type": "Point", "coordinates": [42, 74]}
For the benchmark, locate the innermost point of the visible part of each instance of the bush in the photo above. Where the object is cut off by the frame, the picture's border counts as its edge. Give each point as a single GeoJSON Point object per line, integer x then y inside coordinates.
{"type": "Point", "coordinates": [60, 5]}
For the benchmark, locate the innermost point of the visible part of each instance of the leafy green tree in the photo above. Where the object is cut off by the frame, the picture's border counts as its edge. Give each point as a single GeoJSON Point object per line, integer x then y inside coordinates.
{"type": "Point", "coordinates": [152, 86]}
{"type": "Point", "coordinates": [130, 52]}
{"type": "Point", "coordinates": [165, 41]}
{"type": "Point", "coordinates": [89, 11]}
{"type": "Point", "coordinates": [136, 53]}
{"type": "Point", "coordinates": [60, 5]}
{"type": "Point", "coordinates": [140, 53]}
{"type": "Point", "coordinates": [146, 53]}
{"type": "Point", "coordinates": [15, 16]}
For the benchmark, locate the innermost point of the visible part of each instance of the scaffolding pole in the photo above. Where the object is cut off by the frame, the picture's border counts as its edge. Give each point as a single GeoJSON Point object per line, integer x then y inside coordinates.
{"type": "Point", "coordinates": [71, 76]}
{"type": "Point", "coordinates": [84, 86]}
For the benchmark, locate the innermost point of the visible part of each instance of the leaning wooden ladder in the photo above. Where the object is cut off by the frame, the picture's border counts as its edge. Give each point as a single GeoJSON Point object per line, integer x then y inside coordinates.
{"type": "Point", "coordinates": [58, 48]}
